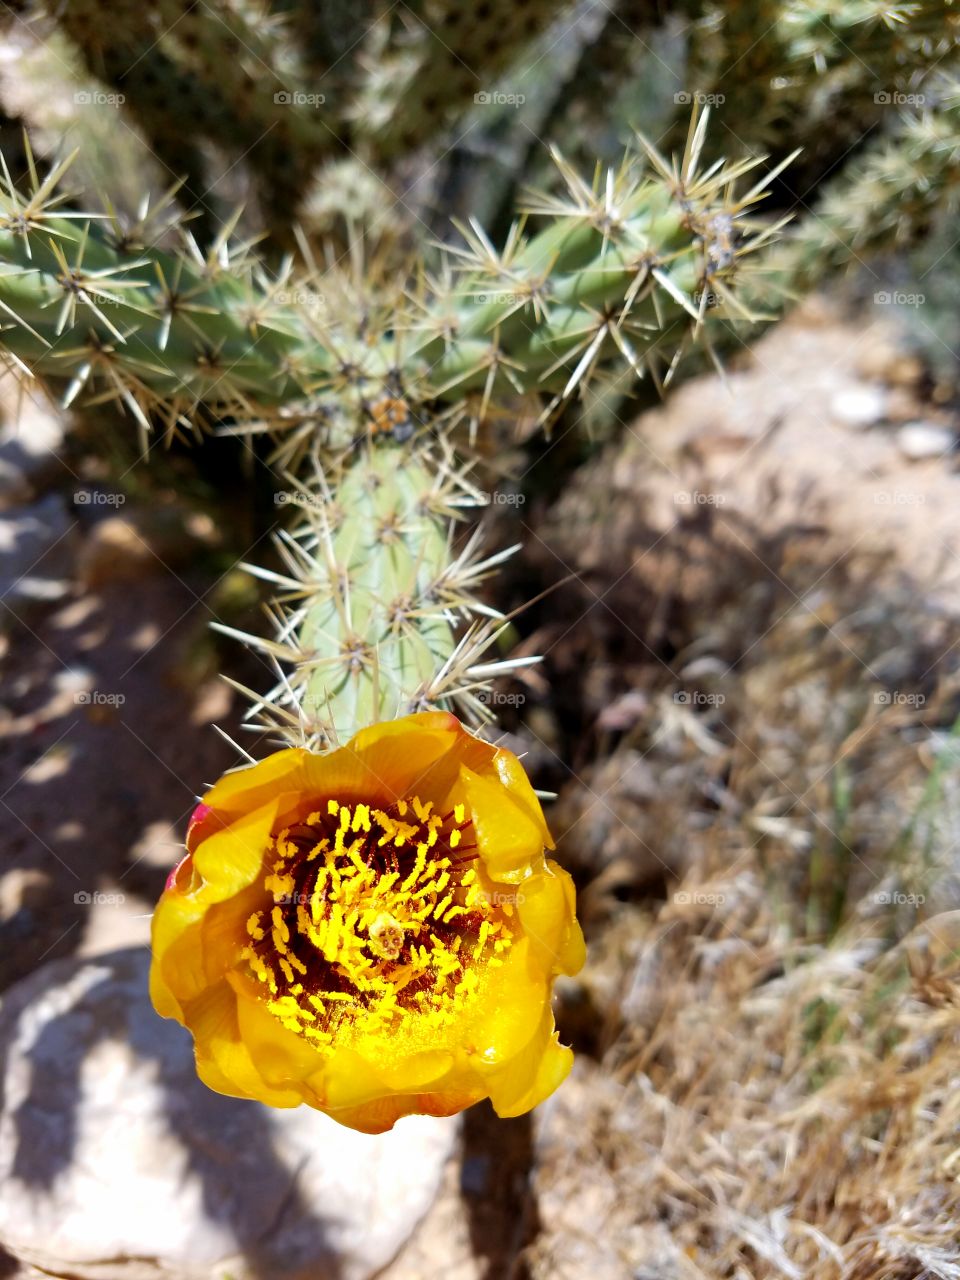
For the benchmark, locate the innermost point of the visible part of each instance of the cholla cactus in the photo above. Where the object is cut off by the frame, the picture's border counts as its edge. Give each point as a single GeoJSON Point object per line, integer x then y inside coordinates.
{"type": "Point", "coordinates": [887, 196]}
{"type": "Point", "coordinates": [364, 387]}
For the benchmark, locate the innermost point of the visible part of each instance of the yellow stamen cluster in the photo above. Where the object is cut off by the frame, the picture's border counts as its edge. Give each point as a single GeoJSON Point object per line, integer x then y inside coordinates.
{"type": "Point", "coordinates": [377, 914]}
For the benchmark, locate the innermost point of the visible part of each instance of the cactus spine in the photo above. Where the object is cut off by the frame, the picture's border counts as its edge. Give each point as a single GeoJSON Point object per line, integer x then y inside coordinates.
{"type": "Point", "coordinates": [363, 387]}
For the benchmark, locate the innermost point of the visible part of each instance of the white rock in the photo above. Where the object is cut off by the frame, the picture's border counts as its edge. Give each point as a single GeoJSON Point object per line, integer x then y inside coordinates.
{"type": "Point", "coordinates": [115, 1161]}
{"type": "Point", "coordinates": [861, 406]}
{"type": "Point", "coordinates": [30, 444]}
{"type": "Point", "coordinates": [35, 551]}
{"type": "Point", "coordinates": [918, 440]}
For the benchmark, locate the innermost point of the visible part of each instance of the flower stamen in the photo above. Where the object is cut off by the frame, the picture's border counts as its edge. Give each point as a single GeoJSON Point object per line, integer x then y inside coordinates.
{"type": "Point", "coordinates": [375, 915]}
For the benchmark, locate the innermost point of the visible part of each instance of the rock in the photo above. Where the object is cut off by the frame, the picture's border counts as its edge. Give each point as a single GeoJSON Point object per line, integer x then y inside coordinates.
{"type": "Point", "coordinates": [919, 440]}
{"type": "Point", "coordinates": [35, 550]}
{"type": "Point", "coordinates": [117, 1162]}
{"type": "Point", "coordinates": [859, 406]}
{"type": "Point", "coordinates": [578, 1186]}
{"type": "Point", "coordinates": [23, 889]}
{"type": "Point", "coordinates": [127, 546]}
{"type": "Point", "coordinates": [114, 551]}
{"type": "Point", "coordinates": [29, 445]}
{"type": "Point", "coordinates": [886, 360]}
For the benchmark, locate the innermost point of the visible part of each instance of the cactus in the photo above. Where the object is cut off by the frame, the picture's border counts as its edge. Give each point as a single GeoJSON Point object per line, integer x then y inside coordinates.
{"type": "Point", "coordinates": [364, 386]}
{"type": "Point", "coordinates": [886, 198]}
{"type": "Point", "coordinates": [375, 373]}
{"type": "Point", "coordinates": [452, 53]}
{"type": "Point", "coordinates": [228, 69]}
{"type": "Point", "coordinates": [813, 73]}
{"type": "Point", "coordinates": [619, 267]}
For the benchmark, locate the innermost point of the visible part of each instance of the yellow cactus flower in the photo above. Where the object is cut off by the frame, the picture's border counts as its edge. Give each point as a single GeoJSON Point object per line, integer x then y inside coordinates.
{"type": "Point", "coordinates": [373, 931]}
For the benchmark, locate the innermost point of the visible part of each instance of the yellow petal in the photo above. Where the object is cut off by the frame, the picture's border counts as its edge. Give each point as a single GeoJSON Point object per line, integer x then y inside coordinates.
{"type": "Point", "coordinates": [534, 1075]}
{"type": "Point", "coordinates": [508, 1008]}
{"type": "Point", "coordinates": [545, 905]}
{"type": "Point", "coordinates": [224, 1062]}
{"type": "Point", "coordinates": [509, 838]}
{"type": "Point", "coordinates": [282, 1058]}
{"type": "Point", "coordinates": [232, 859]}
{"type": "Point", "coordinates": [412, 755]}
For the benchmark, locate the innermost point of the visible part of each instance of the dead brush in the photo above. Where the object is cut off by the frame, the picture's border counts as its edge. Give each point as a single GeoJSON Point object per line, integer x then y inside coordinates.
{"type": "Point", "coordinates": [771, 992]}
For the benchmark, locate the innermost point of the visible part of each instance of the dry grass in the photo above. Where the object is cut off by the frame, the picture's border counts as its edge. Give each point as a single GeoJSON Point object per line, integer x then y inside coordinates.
{"type": "Point", "coordinates": [771, 1007]}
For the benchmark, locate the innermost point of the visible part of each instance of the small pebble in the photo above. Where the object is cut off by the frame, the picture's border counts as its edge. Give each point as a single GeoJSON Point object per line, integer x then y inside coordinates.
{"type": "Point", "coordinates": [918, 440]}
{"type": "Point", "coordinates": [862, 406]}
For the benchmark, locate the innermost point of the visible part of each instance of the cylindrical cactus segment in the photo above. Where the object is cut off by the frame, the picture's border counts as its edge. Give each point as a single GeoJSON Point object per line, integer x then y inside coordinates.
{"type": "Point", "coordinates": [622, 271]}
{"type": "Point", "coordinates": [373, 598]}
